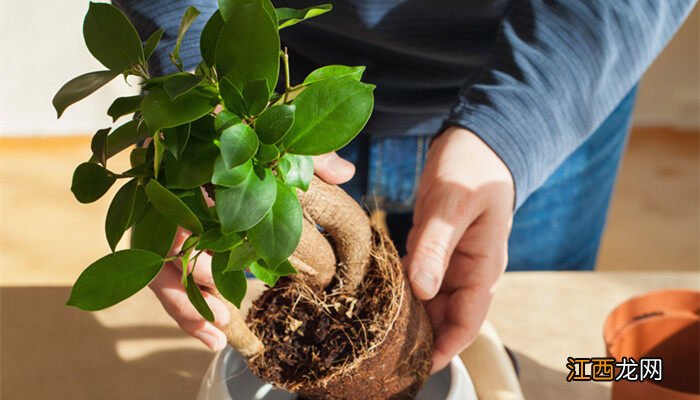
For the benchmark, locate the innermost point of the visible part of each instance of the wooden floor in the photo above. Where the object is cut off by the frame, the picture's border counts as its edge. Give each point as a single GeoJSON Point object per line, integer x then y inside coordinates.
{"type": "Point", "coordinates": [47, 238]}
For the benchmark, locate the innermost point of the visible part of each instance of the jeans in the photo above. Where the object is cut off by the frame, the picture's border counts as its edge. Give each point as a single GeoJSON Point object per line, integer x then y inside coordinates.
{"type": "Point", "coordinates": [559, 226]}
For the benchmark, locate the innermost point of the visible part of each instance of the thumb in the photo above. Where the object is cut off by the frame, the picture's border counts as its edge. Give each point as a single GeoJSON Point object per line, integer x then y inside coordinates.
{"type": "Point", "coordinates": [333, 169]}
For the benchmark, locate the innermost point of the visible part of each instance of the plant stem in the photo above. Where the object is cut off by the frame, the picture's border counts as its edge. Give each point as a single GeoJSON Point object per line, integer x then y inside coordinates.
{"type": "Point", "coordinates": [287, 83]}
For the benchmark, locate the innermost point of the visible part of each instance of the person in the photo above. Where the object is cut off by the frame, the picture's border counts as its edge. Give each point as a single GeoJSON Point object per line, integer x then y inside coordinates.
{"type": "Point", "coordinates": [530, 101]}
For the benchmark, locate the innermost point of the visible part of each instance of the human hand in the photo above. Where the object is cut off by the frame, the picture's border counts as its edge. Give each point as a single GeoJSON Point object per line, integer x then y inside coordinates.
{"type": "Point", "coordinates": [169, 290]}
{"type": "Point", "coordinates": [458, 246]}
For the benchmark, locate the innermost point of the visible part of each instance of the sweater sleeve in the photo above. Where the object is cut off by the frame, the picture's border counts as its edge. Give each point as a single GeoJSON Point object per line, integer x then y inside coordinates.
{"type": "Point", "coordinates": [557, 70]}
{"type": "Point", "coordinates": [151, 15]}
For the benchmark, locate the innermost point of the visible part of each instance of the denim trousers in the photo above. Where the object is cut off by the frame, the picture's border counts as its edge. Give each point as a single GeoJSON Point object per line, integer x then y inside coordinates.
{"type": "Point", "coordinates": [558, 227]}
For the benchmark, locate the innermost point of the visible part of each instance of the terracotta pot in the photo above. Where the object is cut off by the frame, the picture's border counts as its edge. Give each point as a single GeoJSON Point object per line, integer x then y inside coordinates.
{"type": "Point", "coordinates": [662, 324]}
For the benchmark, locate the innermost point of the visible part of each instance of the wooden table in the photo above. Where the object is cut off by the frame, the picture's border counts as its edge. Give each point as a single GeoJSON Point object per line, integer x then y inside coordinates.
{"type": "Point", "coordinates": [134, 351]}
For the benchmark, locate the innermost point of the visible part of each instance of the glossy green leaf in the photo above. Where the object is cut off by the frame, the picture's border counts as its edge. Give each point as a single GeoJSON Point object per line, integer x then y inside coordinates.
{"type": "Point", "coordinates": [158, 154]}
{"type": "Point", "coordinates": [238, 145]}
{"type": "Point", "coordinates": [256, 95]}
{"type": "Point", "coordinates": [329, 114]}
{"type": "Point", "coordinates": [334, 71]}
{"type": "Point", "coordinates": [276, 236]}
{"type": "Point", "coordinates": [248, 46]}
{"type": "Point", "coordinates": [111, 38]}
{"type": "Point", "coordinates": [204, 128]}
{"type": "Point", "coordinates": [150, 46]}
{"type": "Point", "coordinates": [124, 136]}
{"type": "Point", "coordinates": [188, 18]}
{"type": "Point", "coordinates": [113, 278]}
{"type": "Point", "coordinates": [98, 145]}
{"type": "Point", "coordinates": [160, 112]}
{"type": "Point", "coordinates": [79, 88]}
{"type": "Point", "coordinates": [230, 177]}
{"type": "Point", "coordinates": [198, 204]}
{"type": "Point", "coordinates": [233, 284]}
{"type": "Point", "coordinates": [140, 203]}
{"type": "Point", "coordinates": [90, 182]}
{"type": "Point", "coordinates": [153, 232]}
{"type": "Point", "coordinates": [228, 7]}
{"type": "Point", "coordinates": [233, 98]}
{"type": "Point", "coordinates": [187, 248]}
{"type": "Point", "coordinates": [290, 16]}
{"type": "Point", "coordinates": [197, 299]}
{"type": "Point", "coordinates": [181, 83]}
{"type": "Point", "coordinates": [168, 204]}
{"type": "Point", "coordinates": [194, 168]}
{"type": "Point", "coordinates": [241, 257]}
{"type": "Point", "coordinates": [267, 153]}
{"type": "Point", "coordinates": [210, 34]}
{"type": "Point", "coordinates": [297, 170]}
{"type": "Point", "coordinates": [137, 156]}
{"type": "Point", "coordinates": [263, 274]}
{"type": "Point", "coordinates": [274, 123]}
{"type": "Point", "coordinates": [215, 240]}
{"type": "Point", "coordinates": [225, 119]}
{"type": "Point", "coordinates": [123, 106]}
{"type": "Point", "coordinates": [175, 139]}
{"type": "Point", "coordinates": [241, 207]}
{"type": "Point", "coordinates": [120, 211]}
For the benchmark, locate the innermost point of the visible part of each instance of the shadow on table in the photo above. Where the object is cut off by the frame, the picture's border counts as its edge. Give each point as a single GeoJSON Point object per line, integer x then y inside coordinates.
{"type": "Point", "coordinates": [540, 382]}
{"type": "Point", "coordinates": [49, 351]}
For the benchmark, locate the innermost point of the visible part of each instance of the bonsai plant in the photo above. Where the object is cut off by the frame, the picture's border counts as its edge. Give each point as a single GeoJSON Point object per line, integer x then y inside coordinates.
{"type": "Point", "coordinates": [338, 320]}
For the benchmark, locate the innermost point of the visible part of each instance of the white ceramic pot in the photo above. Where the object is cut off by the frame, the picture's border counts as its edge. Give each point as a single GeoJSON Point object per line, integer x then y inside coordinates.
{"type": "Point", "coordinates": [228, 378]}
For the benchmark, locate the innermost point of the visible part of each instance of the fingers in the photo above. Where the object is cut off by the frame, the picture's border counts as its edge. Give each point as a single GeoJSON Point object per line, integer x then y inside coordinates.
{"type": "Point", "coordinates": [446, 215]}
{"type": "Point", "coordinates": [168, 289]}
{"type": "Point", "coordinates": [333, 169]}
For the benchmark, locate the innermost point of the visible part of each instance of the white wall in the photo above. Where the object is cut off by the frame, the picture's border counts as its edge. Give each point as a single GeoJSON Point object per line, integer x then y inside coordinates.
{"type": "Point", "coordinates": [41, 47]}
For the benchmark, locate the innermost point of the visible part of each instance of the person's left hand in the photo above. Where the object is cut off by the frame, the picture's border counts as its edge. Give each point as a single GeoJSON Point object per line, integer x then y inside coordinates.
{"type": "Point", "coordinates": [457, 248]}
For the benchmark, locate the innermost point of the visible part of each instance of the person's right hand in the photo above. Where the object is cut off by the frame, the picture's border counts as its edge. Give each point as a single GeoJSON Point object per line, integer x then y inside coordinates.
{"type": "Point", "coordinates": [169, 290]}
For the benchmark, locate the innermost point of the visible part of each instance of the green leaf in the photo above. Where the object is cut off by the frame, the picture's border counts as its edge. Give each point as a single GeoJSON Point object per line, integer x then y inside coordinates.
{"type": "Point", "coordinates": [153, 232]}
{"type": "Point", "coordinates": [198, 204]}
{"type": "Point", "coordinates": [111, 38]}
{"type": "Point", "coordinates": [214, 240]}
{"type": "Point", "coordinates": [238, 145]}
{"type": "Point", "coordinates": [124, 136]}
{"type": "Point", "coordinates": [90, 182]}
{"type": "Point", "coordinates": [137, 156]}
{"type": "Point", "coordinates": [228, 7]}
{"type": "Point", "coordinates": [113, 278]}
{"type": "Point", "coordinates": [297, 170]}
{"type": "Point", "coordinates": [179, 84]}
{"type": "Point", "coordinates": [79, 88]}
{"type": "Point", "coordinates": [230, 177]}
{"type": "Point", "coordinates": [98, 145]}
{"type": "Point", "coordinates": [204, 128]}
{"type": "Point", "coordinates": [248, 46]}
{"type": "Point", "coordinates": [225, 119]}
{"type": "Point", "coordinates": [119, 215]}
{"type": "Point", "coordinates": [194, 168]}
{"type": "Point", "coordinates": [233, 98]}
{"type": "Point", "coordinates": [172, 207]}
{"type": "Point", "coordinates": [256, 95]}
{"type": "Point", "coordinates": [158, 154]}
{"type": "Point", "coordinates": [276, 236]}
{"type": "Point", "coordinates": [188, 247]}
{"type": "Point", "coordinates": [289, 16]}
{"type": "Point", "coordinates": [233, 284]}
{"type": "Point", "coordinates": [241, 207]}
{"type": "Point", "coordinates": [263, 274]}
{"type": "Point", "coordinates": [152, 42]}
{"type": "Point", "coordinates": [176, 139]}
{"type": "Point", "coordinates": [329, 114]}
{"type": "Point", "coordinates": [267, 153]}
{"type": "Point", "coordinates": [187, 19]}
{"type": "Point", "coordinates": [123, 106]}
{"type": "Point", "coordinates": [160, 112]}
{"type": "Point", "coordinates": [210, 34]}
{"type": "Point", "coordinates": [334, 71]}
{"type": "Point", "coordinates": [197, 299]}
{"type": "Point", "coordinates": [241, 257]}
{"type": "Point", "coordinates": [274, 123]}
{"type": "Point", "coordinates": [284, 268]}
{"type": "Point", "coordinates": [140, 203]}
